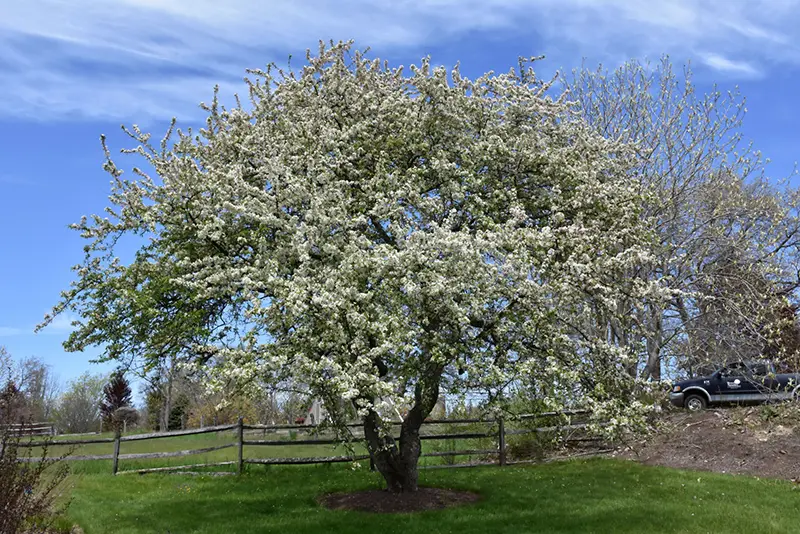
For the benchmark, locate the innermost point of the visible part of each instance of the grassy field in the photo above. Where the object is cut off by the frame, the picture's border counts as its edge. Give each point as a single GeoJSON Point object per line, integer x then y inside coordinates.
{"type": "Point", "coordinates": [580, 496]}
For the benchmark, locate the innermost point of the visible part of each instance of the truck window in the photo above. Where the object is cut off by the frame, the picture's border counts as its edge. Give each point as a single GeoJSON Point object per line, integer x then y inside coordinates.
{"type": "Point", "coordinates": [734, 369]}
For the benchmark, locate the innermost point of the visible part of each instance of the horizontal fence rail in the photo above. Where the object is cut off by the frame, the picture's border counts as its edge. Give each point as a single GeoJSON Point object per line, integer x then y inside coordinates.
{"type": "Point", "coordinates": [306, 460]}
{"type": "Point", "coordinates": [143, 455]}
{"type": "Point", "coordinates": [60, 442]}
{"type": "Point", "coordinates": [174, 468]}
{"type": "Point", "coordinates": [486, 452]}
{"type": "Point", "coordinates": [510, 417]}
{"type": "Point", "coordinates": [174, 433]}
{"type": "Point", "coordinates": [545, 429]}
{"type": "Point", "coordinates": [283, 443]}
{"type": "Point", "coordinates": [240, 441]}
{"type": "Point", "coordinates": [31, 429]}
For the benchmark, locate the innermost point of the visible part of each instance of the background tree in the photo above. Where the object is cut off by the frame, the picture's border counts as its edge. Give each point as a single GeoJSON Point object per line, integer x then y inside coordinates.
{"type": "Point", "coordinates": [117, 397]}
{"type": "Point", "coordinates": [78, 409]}
{"type": "Point", "coordinates": [6, 366]}
{"type": "Point", "coordinates": [169, 393]}
{"type": "Point", "coordinates": [28, 387]}
{"type": "Point", "coordinates": [379, 238]}
{"type": "Point", "coordinates": [160, 393]}
{"type": "Point", "coordinates": [708, 200]}
{"type": "Point", "coordinates": [39, 385]}
{"type": "Point", "coordinates": [784, 339]}
{"type": "Point", "coordinates": [35, 380]}
{"type": "Point", "coordinates": [153, 408]}
{"type": "Point", "coordinates": [179, 414]}
{"type": "Point", "coordinates": [13, 408]}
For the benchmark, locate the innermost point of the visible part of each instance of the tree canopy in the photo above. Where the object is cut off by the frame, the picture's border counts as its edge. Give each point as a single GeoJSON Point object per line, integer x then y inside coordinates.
{"type": "Point", "coordinates": [379, 237]}
{"type": "Point", "coordinates": [78, 408]}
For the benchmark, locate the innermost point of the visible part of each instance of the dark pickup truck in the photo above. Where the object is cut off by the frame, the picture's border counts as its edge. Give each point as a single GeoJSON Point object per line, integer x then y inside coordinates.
{"type": "Point", "coordinates": [740, 382]}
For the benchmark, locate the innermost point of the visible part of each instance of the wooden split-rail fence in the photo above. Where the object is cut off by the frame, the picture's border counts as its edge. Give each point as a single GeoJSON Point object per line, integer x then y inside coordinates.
{"type": "Point", "coordinates": [31, 429]}
{"type": "Point", "coordinates": [242, 440]}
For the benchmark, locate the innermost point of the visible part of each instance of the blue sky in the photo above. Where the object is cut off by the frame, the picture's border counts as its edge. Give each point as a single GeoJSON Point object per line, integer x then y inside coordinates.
{"type": "Point", "coordinates": [72, 70]}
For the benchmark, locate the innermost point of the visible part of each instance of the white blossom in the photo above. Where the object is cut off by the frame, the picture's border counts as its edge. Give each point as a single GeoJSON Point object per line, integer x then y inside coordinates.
{"type": "Point", "coordinates": [375, 236]}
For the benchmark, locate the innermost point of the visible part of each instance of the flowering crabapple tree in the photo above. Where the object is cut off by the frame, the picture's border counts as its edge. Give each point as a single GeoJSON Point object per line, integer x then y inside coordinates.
{"type": "Point", "coordinates": [379, 237]}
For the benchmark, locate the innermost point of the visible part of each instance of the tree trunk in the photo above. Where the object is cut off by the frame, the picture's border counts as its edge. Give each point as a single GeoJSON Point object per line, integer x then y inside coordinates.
{"type": "Point", "coordinates": [688, 328]}
{"type": "Point", "coordinates": [167, 406]}
{"type": "Point", "coordinates": [653, 341]}
{"type": "Point", "coordinates": [396, 463]}
{"type": "Point", "coordinates": [653, 361]}
{"type": "Point", "coordinates": [399, 463]}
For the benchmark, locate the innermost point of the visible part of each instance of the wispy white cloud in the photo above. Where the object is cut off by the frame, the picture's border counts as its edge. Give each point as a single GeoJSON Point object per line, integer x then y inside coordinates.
{"type": "Point", "coordinates": [60, 325]}
{"type": "Point", "coordinates": [134, 59]}
{"type": "Point", "coordinates": [723, 64]}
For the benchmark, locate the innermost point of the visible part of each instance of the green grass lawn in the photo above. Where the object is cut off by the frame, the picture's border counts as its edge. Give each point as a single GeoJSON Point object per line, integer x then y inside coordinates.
{"type": "Point", "coordinates": [579, 496]}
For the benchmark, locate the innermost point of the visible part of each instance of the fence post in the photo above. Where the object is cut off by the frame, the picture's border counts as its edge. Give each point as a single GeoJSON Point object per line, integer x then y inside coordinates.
{"type": "Point", "coordinates": [240, 431]}
{"type": "Point", "coordinates": [501, 434]}
{"type": "Point", "coordinates": [115, 463]}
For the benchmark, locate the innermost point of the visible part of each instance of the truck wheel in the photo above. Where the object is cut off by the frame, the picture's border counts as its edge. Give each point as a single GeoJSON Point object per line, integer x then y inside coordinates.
{"type": "Point", "coordinates": [695, 403]}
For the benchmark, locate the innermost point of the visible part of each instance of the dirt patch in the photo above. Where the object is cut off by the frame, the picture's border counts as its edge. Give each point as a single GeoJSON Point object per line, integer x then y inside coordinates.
{"type": "Point", "coordinates": [383, 502]}
{"type": "Point", "coordinates": [724, 441]}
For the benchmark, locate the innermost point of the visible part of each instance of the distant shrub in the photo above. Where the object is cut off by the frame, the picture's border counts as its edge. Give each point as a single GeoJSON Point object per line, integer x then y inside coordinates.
{"type": "Point", "coordinates": [533, 446]}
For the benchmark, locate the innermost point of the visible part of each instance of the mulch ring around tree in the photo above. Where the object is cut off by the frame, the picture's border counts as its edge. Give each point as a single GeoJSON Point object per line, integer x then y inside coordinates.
{"type": "Point", "coordinates": [383, 502]}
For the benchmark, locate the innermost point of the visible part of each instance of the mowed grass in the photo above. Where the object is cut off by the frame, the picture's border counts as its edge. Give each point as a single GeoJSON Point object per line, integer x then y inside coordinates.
{"type": "Point", "coordinates": [603, 496]}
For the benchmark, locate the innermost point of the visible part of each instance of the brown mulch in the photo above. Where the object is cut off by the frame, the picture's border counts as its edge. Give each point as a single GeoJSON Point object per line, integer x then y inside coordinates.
{"type": "Point", "coordinates": [383, 502]}
{"type": "Point", "coordinates": [723, 441]}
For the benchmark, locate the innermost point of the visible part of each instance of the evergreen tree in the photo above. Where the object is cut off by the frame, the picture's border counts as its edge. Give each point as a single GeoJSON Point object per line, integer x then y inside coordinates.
{"type": "Point", "coordinates": [116, 395]}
